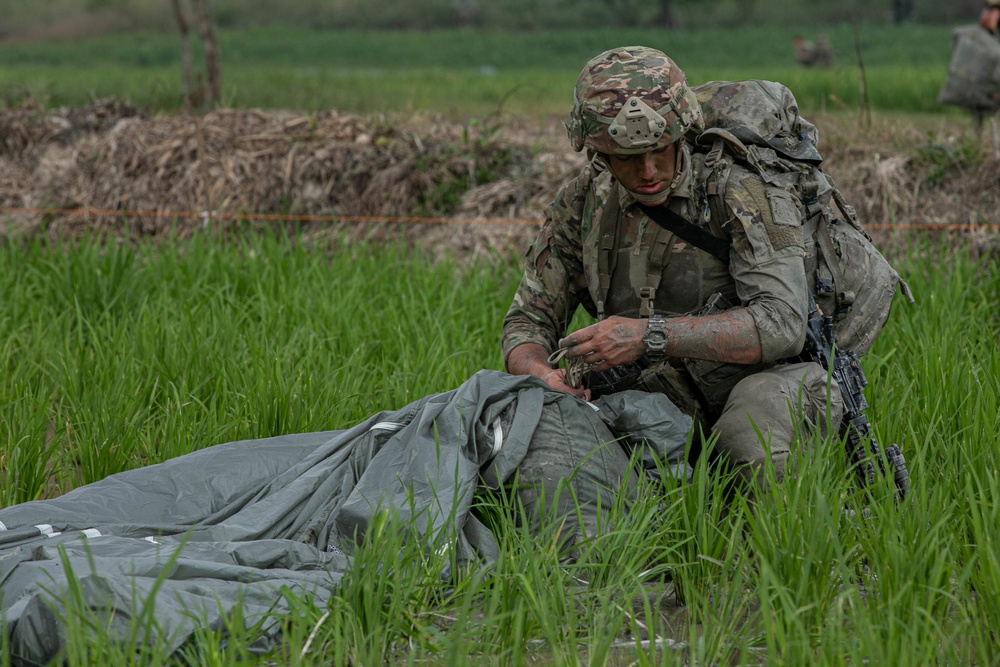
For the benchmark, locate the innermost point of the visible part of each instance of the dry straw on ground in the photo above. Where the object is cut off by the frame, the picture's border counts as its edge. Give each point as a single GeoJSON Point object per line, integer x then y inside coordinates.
{"type": "Point", "coordinates": [109, 156]}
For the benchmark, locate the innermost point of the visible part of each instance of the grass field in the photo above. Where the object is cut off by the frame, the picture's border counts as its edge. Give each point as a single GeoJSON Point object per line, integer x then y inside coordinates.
{"type": "Point", "coordinates": [119, 356]}
{"type": "Point", "coordinates": [463, 73]}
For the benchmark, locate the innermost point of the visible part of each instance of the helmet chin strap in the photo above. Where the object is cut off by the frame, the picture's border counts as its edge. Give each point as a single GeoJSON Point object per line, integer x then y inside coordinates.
{"type": "Point", "coordinates": [656, 198]}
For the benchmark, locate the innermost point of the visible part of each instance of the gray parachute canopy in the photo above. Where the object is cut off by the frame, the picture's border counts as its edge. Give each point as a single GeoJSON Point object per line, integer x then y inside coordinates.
{"type": "Point", "coordinates": [239, 524]}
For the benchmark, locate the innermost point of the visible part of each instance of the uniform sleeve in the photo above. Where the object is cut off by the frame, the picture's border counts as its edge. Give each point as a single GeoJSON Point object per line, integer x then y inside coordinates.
{"type": "Point", "coordinates": [553, 283]}
{"type": "Point", "coordinates": [767, 262]}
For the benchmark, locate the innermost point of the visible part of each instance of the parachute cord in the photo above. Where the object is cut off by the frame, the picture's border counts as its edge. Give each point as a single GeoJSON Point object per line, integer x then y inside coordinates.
{"type": "Point", "coordinates": [575, 368]}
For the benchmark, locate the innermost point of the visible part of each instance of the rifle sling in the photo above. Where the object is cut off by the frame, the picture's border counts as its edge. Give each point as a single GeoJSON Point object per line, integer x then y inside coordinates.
{"type": "Point", "coordinates": [699, 238]}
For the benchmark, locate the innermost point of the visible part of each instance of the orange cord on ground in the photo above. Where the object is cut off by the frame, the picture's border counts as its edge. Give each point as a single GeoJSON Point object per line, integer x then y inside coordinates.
{"type": "Point", "coordinates": [208, 215]}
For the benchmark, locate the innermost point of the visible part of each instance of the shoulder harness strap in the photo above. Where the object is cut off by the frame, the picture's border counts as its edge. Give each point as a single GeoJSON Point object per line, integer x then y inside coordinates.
{"type": "Point", "coordinates": [656, 260]}
{"type": "Point", "coordinates": [607, 254]}
{"type": "Point", "coordinates": [696, 236]}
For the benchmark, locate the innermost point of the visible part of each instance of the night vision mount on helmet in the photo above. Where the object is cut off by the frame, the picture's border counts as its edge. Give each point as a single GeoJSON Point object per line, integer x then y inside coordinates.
{"type": "Point", "coordinates": [631, 100]}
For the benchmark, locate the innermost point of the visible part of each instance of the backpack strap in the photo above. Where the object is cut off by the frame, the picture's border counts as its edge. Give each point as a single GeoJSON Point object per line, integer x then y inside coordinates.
{"type": "Point", "coordinates": [607, 254]}
{"type": "Point", "coordinates": [656, 260]}
{"type": "Point", "coordinates": [696, 236]}
{"type": "Point", "coordinates": [715, 169]}
{"type": "Point", "coordinates": [843, 299]}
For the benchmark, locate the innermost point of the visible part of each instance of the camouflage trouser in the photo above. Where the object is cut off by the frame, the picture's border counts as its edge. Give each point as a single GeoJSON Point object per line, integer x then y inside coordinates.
{"type": "Point", "coordinates": [786, 404]}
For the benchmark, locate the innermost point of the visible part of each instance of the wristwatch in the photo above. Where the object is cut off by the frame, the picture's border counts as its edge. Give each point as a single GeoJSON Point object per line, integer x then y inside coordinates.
{"type": "Point", "coordinates": [656, 337]}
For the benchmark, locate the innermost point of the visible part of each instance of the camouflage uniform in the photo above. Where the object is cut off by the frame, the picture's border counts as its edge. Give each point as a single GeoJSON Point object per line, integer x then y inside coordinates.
{"type": "Point", "coordinates": [765, 274]}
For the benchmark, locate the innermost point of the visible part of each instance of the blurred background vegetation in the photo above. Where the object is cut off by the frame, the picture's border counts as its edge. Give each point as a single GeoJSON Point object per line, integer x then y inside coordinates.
{"type": "Point", "coordinates": [462, 58]}
{"type": "Point", "coordinates": [49, 18]}
{"type": "Point", "coordinates": [463, 72]}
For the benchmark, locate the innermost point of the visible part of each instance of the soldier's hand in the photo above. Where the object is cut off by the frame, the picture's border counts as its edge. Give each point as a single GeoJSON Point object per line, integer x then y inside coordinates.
{"type": "Point", "coordinates": [556, 378]}
{"type": "Point", "coordinates": [532, 359]}
{"type": "Point", "coordinates": [608, 343]}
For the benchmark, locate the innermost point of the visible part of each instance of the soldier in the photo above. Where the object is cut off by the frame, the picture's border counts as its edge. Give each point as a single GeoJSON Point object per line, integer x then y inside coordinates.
{"type": "Point", "coordinates": [824, 51]}
{"type": "Point", "coordinates": [818, 53]}
{"type": "Point", "coordinates": [989, 18]}
{"type": "Point", "coordinates": [636, 117]}
{"type": "Point", "coordinates": [974, 70]}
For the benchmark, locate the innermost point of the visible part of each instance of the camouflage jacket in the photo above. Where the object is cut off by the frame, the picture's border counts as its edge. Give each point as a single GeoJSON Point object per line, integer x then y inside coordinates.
{"type": "Point", "coordinates": [766, 273]}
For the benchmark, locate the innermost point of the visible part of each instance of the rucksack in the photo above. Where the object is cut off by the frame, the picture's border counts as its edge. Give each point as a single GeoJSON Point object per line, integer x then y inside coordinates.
{"type": "Point", "coordinates": [974, 71]}
{"type": "Point", "coordinates": [758, 124]}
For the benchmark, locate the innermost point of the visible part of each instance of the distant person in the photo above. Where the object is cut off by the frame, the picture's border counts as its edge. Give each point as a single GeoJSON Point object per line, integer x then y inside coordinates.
{"type": "Point", "coordinates": [990, 16]}
{"type": "Point", "coordinates": [974, 70]}
{"type": "Point", "coordinates": [813, 54]}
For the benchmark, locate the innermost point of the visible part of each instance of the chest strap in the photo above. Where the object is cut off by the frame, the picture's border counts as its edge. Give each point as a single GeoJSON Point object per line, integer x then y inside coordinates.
{"type": "Point", "coordinates": [607, 254]}
{"type": "Point", "coordinates": [696, 236]}
{"type": "Point", "coordinates": [656, 260]}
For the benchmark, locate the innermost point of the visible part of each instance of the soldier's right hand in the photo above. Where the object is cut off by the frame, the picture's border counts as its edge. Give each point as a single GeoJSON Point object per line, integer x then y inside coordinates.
{"type": "Point", "coordinates": [532, 359]}
{"type": "Point", "coordinates": [556, 378]}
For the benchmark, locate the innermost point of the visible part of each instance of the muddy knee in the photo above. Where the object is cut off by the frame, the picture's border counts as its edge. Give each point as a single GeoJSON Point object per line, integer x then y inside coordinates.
{"type": "Point", "coordinates": [769, 411]}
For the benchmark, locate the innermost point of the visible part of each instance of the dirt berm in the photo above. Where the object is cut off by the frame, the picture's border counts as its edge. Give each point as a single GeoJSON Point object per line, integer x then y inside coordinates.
{"type": "Point", "coordinates": [99, 164]}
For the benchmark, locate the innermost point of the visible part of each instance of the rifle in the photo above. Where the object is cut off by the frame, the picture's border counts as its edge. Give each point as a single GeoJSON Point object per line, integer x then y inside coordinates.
{"type": "Point", "coordinates": [845, 368]}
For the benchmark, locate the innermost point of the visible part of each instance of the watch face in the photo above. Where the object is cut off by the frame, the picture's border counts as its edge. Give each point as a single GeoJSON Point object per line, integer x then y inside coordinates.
{"type": "Point", "coordinates": [655, 338]}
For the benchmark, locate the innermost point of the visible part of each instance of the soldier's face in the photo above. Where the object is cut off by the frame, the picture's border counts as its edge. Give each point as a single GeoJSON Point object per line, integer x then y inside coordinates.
{"type": "Point", "coordinates": [646, 173]}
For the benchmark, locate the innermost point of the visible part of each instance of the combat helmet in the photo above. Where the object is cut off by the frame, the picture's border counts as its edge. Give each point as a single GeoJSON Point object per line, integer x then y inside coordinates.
{"type": "Point", "coordinates": [631, 100]}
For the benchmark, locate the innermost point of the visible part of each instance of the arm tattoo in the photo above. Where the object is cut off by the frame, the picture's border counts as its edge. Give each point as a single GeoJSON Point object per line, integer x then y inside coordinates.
{"type": "Point", "coordinates": [730, 336]}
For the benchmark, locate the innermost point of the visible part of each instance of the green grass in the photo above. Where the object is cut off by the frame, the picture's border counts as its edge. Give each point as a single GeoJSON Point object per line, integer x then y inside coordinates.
{"type": "Point", "coordinates": [463, 73]}
{"type": "Point", "coordinates": [117, 356]}
{"type": "Point", "coordinates": [749, 46]}
{"type": "Point", "coordinates": [138, 353]}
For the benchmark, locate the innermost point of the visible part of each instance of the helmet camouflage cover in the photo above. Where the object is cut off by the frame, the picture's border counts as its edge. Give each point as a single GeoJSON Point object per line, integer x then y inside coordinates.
{"type": "Point", "coordinates": [631, 100]}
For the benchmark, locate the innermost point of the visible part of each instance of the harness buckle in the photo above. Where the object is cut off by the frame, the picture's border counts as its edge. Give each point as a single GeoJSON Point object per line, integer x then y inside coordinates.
{"type": "Point", "coordinates": [646, 295]}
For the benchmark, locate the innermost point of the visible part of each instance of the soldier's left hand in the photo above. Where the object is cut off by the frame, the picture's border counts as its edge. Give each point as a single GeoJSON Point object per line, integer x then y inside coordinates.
{"type": "Point", "coordinates": [608, 343]}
